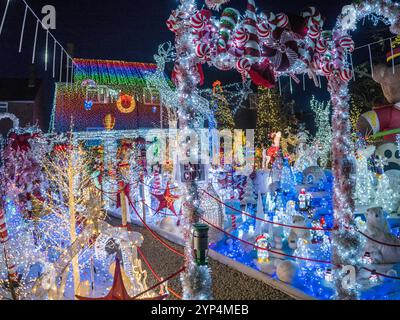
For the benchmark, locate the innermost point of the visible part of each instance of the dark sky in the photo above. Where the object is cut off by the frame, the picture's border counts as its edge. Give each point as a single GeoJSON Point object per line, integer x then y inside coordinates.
{"type": "Point", "coordinates": [116, 29]}
{"type": "Point", "coordinates": [125, 29]}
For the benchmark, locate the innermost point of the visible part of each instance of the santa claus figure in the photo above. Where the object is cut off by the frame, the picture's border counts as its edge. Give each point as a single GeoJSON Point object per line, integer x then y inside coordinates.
{"type": "Point", "coordinates": [385, 119]}
{"type": "Point", "coordinates": [273, 151]}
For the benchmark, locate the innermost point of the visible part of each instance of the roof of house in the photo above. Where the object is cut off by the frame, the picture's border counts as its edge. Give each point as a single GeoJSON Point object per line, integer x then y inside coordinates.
{"type": "Point", "coordinates": [112, 72]}
{"type": "Point", "coordinates": [18, 90]}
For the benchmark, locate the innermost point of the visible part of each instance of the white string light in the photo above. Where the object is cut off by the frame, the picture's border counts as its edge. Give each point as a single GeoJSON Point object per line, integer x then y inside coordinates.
{"type": "Point", "coordinates": [22, 30]}
{"type": "Point", "coordinates": [34, 43]}
{"type": "Point", "coordinates": [4, 17]}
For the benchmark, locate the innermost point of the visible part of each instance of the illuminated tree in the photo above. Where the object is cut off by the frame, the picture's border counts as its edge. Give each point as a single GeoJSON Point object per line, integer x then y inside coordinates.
{"type": "Point", "coordinates": [323, 136]}
{"type": "Point", "coordinates": [72, 204]}
{"type": "Point", "coordinates": [223, 113]}
{"type": "Point", "coordinates": [269, 116]}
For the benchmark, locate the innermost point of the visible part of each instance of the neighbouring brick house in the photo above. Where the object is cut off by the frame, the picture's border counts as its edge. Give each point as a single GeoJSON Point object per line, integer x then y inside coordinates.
{"type": "Point", "coordinates": [23, 99]}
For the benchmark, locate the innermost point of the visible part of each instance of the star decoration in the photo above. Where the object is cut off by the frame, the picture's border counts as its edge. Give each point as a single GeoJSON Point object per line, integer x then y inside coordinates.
{"type": "Point", "coordinates": [167, 200]}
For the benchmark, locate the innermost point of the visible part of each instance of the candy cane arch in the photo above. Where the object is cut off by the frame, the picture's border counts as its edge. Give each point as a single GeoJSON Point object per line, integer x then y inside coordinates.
{"type": "Point", "coordinates": [11, 269]}
{"type": "Point", "coordinates": [264, 47]}
{"type": "Point", "coordinates": [346, 242]}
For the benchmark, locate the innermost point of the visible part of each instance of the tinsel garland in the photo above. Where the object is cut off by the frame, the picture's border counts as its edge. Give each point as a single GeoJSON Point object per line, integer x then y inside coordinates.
{"type": "Point", "coordinates": [215, 4]}
{"type": "Point", "coordinates": [196, 280]}
{"type": "Point", "coordinates": [346, 243]}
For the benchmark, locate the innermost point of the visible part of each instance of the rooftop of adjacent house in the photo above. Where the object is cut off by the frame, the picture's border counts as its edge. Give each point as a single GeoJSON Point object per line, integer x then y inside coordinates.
{"type": "Point", "coordinates": [112, 72]}
{"type": "Point", "coordinates": [13, 89]}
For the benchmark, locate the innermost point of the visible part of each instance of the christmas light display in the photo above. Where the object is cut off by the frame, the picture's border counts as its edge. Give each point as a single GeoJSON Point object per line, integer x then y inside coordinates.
{"type": "Point", "coordinates": [323, 136]}
{"type": "Point", "coordinates": [365, 179]}
{"type": "Point", "coordinates": [269, 116]}
{"type": "Point", "coordinates": [52, 210]}
{"type": "Point", "coordinates": [326, 56]}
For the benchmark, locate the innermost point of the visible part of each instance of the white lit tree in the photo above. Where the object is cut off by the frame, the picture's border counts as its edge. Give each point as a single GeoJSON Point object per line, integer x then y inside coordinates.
{"type": "Point", "coordinates": [323, 136]}
{"type": "Point", "coordinates": [386, 197]}
{"type": "Point", "coordinates": [248, 196]}
{"type": "Point", "coordinates": [69, 205]}
{"type": "Point", "coordinates": [365, 190]}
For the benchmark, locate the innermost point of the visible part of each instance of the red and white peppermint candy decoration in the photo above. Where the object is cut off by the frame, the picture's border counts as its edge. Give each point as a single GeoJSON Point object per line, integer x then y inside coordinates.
{"type": "Point", "coordinates": [346, 74]}
{"type": "Point", "coordinates": [243, 65]}
{"type": "Point", "coordinates": [321, 46]}
{"type": "Point", "coordinates": [316, 62]}
{"type": "Point", "coordinates": [252, 50]}
{"type": "Point", "coordinates": [269, 17]}
{"type": "Point", "coordinates": [264, 30]}
{"type": "Point", "coordinates": [198, 21]}
{"type": "Point", "coordinates": [314, 32]}
{"type": "Point", "coordinates": [172, 23]}
{"type": "Point", "coordinates": [203, 51]}
{"type": "Point", "coordinates": [241, 37]}
{"type": "Point", "coordinates": [347, 43]}
{"type": "Point", "coordinates": [309, 12]}
{"type": "Point", "coordinates": [282, 20]}
{"type": "Point", "coordinates": [327, 68]}
{"type": "Point", "coordinates": [313, 16]}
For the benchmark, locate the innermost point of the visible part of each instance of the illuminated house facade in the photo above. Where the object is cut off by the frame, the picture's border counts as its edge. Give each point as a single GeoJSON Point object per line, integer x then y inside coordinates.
{"type": "Point", "coordinates": [108, 95]}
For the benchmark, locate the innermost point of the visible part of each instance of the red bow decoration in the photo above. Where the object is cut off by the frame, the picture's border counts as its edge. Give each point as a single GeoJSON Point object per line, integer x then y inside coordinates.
{"type": "Point", "coordinates": [123, 188]}
{"type": "Point", "coordinates": [262, 74]}
{"type": "Point", "coordinates": [281, 50]}
{"type": "Point", "coordinates": [20, 141]}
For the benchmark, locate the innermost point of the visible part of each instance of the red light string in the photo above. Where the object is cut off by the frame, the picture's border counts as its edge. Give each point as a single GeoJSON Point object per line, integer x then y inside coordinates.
{"type": "Point", "coordinates": [153, 233]}
{"type": "Point", "coordinates": [155, 273]}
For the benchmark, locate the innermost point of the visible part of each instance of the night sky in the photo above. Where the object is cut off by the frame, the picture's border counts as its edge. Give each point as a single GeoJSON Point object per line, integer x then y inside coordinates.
{"type": "Point", "coordinates": [129, 30]}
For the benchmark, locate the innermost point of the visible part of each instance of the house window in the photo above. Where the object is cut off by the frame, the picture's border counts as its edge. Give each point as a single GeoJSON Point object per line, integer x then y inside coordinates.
{"type": "Point", "coordinates": [151, 97]}
{"type": "Point", "coordinates": [98, 94]}
{"type": "Point", "coordinates": [3, 107]}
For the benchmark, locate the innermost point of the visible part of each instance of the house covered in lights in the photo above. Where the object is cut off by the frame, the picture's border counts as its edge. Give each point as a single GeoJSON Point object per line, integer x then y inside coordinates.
{"type": "Point", "coordinates": [110, 106]}
{"type": "Point", "coordinates": [107, 95]}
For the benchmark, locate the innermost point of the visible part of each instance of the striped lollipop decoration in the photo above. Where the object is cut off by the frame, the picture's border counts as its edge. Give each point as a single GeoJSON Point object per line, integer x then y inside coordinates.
{"type": "Point", "coordinates": [270, 18]}
{"type": "Point", "coordinates": [243, 65]}
{"type": "Point", "coordinates": [229, 19]}
{"type": "Point", "coordinates": [264, 30]}
{"type": "Point", "coordinates": [346, 74]}
{"type": "Point", "coordinates": [327, 68]}
{"type": "Point", "coordinates": [347, 43]}
{"type": "Point", "coordinates": [313, 17]}
{"type": "Point", "coordinates": [309, 12]}
{"type": "Point", "coordinates": [282, 20]}
{"type": "Point", "coordinates": [314, 32]}
{"type": "Point", "coordinates": [203, 51]}
{"type": "Point", "coordinates": [321, 46]}
{"type": "Point", "coordinates": [241, 37]}
{"type": "Point", "coordinates": [172, 22]}
{"type": "Point", "coordinates": [252, 49]}
{"type": "Point", "coordinates": [198, 21]}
